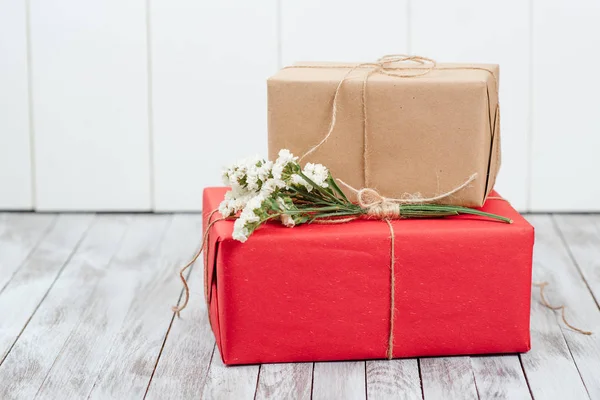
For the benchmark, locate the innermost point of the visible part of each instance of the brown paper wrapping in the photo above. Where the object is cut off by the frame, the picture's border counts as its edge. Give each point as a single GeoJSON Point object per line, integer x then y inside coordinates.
{"type": "Point", "coordinates": [424, 135]}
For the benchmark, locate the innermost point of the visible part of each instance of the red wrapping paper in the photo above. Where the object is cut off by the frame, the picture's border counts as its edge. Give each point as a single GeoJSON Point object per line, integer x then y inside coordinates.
{"type": "Point", "coordinates": [322, 292]}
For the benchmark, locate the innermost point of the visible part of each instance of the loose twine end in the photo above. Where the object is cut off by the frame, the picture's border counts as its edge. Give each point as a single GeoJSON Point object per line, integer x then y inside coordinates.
{"type": "Point", "coordinates": [562, 307]}
{"type": "Point", "coordinates": [178, 308]}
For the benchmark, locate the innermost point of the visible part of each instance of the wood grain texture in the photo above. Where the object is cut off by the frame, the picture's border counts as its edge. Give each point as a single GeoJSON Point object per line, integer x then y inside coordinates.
{"type": "Point", "coordinates": [564, 115]}
{"type": "Point", "coordinates": [27, 289]}
{"type": "Point", "coordinates": [93, 296]}
{"type": "Point", "coordinates": [25, 368]}
{"type": "Point", "coordinates": [210, 61]}
{"type": "Point", "coordinates": [90, 105]}
{"type": "Point", "coordinates": [79, 364]}
{"type": "Point", "coordinates": [448, 378]}
{"type": "Point", "coordinates": [500, 377]}
{"type": "Point", "coordinates": [19, 235]}
{"type": "Point", "coordinates": [339, 380]}
{"type": "Point", "coordinates": [15, 146]}
{"type": "Point", "coordinates": [339, 30]}
{"type": "Point", "coordinates": [549, 366]}
{"type": "Point", "coordinates": [183, 366]}
{"type": "Point", "coordinates": [477, 31]}
{"type": "Point", "coordinates": [285, 381]}
{"type": "Point", "coordinates": [582, 236]}
{"type": "Point", "coordinates": [132, 357]}
{"type": "Point", "coordinates": [395, 379]}
{"type": "Point", "coordinates": [236, 382]}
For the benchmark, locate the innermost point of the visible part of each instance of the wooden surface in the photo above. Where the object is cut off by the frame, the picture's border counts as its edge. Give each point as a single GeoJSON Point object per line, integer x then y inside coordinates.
{"type": "Point", "coordinates": [209, 64]}
{"type": "Point", "coordinates": [89, 78]}
{"type": "Point", "coordinates": [85, 313]}
{"type": "Point", "coordinates": [138, 104]}
{"type": "Point", "coordinates": [15, 131]}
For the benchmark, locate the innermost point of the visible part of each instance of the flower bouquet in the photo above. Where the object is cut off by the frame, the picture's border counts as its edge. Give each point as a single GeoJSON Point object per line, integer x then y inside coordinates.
{"type": "Point", "coordinates": [282, 190]}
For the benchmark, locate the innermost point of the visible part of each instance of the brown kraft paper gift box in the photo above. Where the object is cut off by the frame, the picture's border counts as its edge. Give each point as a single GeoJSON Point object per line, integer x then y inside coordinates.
{"type": "Point", "coordinates": [422, 135]}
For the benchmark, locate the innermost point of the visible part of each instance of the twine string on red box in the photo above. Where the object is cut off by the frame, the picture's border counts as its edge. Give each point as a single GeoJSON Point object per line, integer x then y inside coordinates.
{"type": "Point", "coordinates": [384, 216]}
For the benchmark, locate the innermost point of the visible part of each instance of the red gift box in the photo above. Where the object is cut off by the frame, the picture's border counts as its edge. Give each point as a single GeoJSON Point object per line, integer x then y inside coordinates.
{"type": "Point", "coordinates": [323, 292]}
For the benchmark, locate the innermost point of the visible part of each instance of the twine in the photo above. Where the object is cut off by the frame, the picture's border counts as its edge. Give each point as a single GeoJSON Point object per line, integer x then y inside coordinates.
{"type": "Point", "coordinates": [390, 347]}
{"type": "Point", "coordinates": [382, 207]}
{"type": "Point", "coordinates": [562, 307]}
{"type": "Point", "coordinates": [386, 65]}
{"type": "Point", "coordinates": [383, 213]}
{"type": "Point", "coordinates": [177, 309]}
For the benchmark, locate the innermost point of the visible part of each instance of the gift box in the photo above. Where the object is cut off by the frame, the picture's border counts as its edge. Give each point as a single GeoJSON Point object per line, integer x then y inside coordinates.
{"type": "Point", "coordinates": [419, 129]}
{"type": "Point", "coordinates": [317, 292]}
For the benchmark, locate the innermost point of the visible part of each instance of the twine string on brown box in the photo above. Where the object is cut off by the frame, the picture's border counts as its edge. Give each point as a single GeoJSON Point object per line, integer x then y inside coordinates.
{"type": "Point", "coordinates": [386, 207]}
{"type": "Point", "coordinates": [375, 205]}
{"type": "Point", "coordinates": [394, 65]}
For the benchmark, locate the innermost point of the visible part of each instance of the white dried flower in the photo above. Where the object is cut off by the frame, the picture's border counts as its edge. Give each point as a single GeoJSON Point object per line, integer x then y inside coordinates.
{"type": "Point", "coordinates": [270, 186]}
{"type": "Point", "coordinates": [287, 220]}
{"type": "Point", "coordinates": [237, 175]}
{"type": "Point", "coordinates": [285, 157]}
{"type": "Point", "coordinates": [241, 230]}
{"type": "Point", "coordinates": [298, 180]}
{"type": "Point", "coordinates": [318, 173]}
{"type": "Point", "coordinates": [233, 202]}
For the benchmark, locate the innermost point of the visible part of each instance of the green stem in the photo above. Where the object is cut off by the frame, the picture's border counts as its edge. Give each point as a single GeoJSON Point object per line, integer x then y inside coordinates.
{"type": "Point", "coordinates": [337, 189]}
{"type": "Point", "coordinates": [425, 208]}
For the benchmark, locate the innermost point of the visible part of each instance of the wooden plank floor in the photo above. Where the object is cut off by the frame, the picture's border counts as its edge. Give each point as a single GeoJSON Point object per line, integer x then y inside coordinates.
{"type": "Point", "coordinates": [85, 313]}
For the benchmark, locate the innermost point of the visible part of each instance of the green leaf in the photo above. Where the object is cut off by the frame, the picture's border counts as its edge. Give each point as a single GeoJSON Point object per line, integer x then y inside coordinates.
{"type": "Point", "coordinates": [335, 186]}
{"type": "Point", "coordinates": [335, 214]}
{"type": "Point", "coordinates": [446, 208]}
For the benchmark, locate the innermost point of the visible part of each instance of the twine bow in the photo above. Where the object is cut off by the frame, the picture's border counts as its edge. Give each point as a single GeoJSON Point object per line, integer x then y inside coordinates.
{"type": "Point", "coordinates": [381, 207]}
{"type": "Point", "coordinates": [377, 206]}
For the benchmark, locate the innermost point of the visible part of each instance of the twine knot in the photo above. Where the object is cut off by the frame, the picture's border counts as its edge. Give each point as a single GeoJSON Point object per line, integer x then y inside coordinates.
{"type": "Point", "coordinates": [376, 205]}
{"type": "Point", "coordinates": [386, 65]}
{"type": "Point", "coordinates": [381, 207]}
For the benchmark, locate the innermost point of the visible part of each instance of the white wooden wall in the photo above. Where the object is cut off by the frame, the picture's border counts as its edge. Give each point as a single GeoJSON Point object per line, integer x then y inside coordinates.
{"type": "Point", "coordinates": [137, 104]}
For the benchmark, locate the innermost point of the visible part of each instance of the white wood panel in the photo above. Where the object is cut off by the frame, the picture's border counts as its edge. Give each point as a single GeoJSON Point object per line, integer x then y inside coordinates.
{"type": "Point", "coordinates": [224, 383]}
{"type": "Point", "coordinates": [57, 316]}
{"type": "Point", "coordinates": [15, 161]}
{"type": "Point", "coordinates": [486, 31]}
{"type": "Point", "coordinates": [582, 235]}
{"type": "Point", "coordinates": [339, 380]}
{"type": "Point", "coordinates": [339, 30]}
{"type": "Point", "coordinates": [20, 234]}
{"type": "Point", "coordinates": [448, 378]}
{"type": "Point", "coordinates": [29, 286]}
{"type": "Point", "coordinates": [210, 62]}
{"type": "Point", "coordinates": [90, 104]}
{"type": "Point", "coordinates": [394, 379]}
{"type": "Point", "coordinates": [131, 361]}
{"type": "Point", "coordinates": [182, 368]}
{"type": "Point", "coordinates": [565, 163]}
{"type": "Point", "coordinates": [285, 381]}
{"type": "Point", "coordinates": [78, 366]}
{"type": "Point", "coordinates": [554, 264]}
{"type": "Point", "coordinates": [499, 377]}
